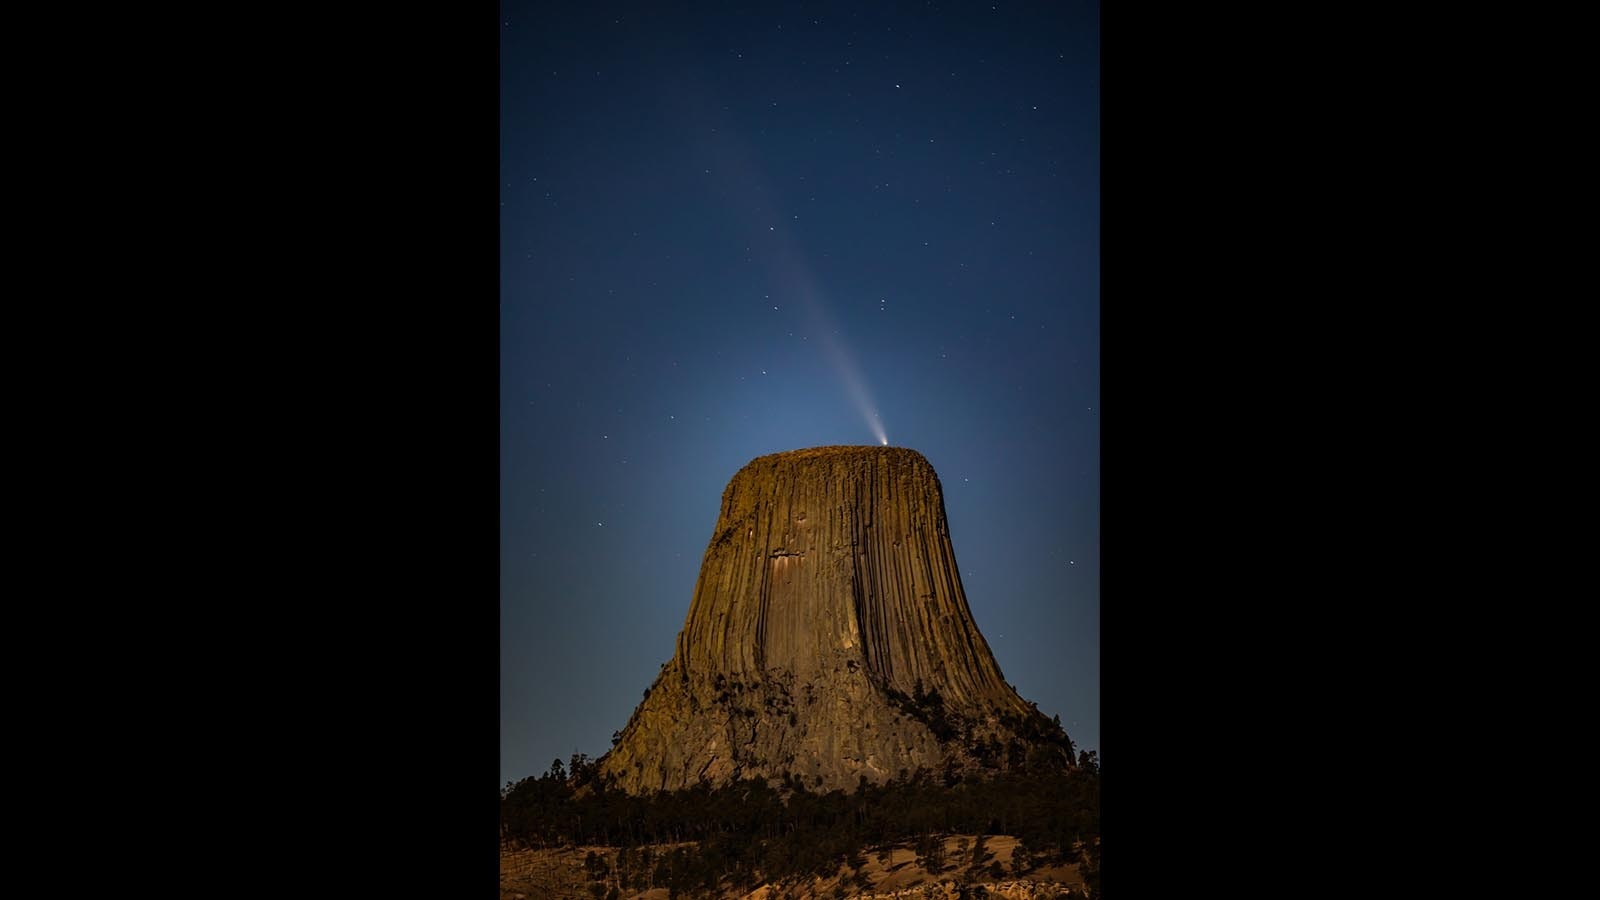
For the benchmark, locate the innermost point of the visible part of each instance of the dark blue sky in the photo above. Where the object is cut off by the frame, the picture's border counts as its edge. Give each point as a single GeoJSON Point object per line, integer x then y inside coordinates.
{"type": "Point", "coordinates": [745, 229]}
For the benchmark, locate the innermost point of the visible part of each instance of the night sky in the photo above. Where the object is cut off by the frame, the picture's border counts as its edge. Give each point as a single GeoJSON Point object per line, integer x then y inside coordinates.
{"type": "Point", "coordinates": [744, 229]}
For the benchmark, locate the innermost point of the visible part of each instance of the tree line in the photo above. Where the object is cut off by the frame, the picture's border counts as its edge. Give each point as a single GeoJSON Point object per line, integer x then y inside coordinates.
{"type": "Point", "coordinates": [751, 831]}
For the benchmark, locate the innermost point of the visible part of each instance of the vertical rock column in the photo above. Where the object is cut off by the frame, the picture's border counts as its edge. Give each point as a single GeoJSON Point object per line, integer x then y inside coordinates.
{"type": "Point", "coordinates": [830, 570]}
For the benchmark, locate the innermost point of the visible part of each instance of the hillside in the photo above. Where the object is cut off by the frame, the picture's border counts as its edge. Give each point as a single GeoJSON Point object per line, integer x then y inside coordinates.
{"type": "Point", "coordinates": [891, 871]}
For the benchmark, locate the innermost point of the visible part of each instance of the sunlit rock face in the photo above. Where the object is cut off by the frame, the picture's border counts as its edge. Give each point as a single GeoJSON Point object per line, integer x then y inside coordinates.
{"type": "Point", "coordinates": [828, 593]}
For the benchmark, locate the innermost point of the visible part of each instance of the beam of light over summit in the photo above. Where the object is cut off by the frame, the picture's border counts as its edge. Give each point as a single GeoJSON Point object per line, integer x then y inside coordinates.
{"type": "Point", "coordinates": [737, 170]}
{"type": "Point", "coordinates": [844, 365]}
{"type": "Point", "coordinates": [791, 268]}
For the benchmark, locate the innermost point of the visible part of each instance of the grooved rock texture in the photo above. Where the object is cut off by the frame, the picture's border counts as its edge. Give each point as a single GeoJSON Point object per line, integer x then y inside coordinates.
{"type": "Point", "coordinates": [828, 606]}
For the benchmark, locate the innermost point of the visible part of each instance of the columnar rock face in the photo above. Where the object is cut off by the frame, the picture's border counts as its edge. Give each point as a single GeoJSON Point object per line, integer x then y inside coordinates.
{"type": "Point", "coordinates": [828, 638]}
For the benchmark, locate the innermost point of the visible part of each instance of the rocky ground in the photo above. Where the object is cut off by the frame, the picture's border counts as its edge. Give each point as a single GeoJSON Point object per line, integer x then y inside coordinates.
{"type": "Point", "coordinates": [558, 874]}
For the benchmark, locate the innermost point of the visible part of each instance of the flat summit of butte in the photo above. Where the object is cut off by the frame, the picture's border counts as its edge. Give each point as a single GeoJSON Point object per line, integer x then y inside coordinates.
{"type": "Point", "coordinates": [829, 638]}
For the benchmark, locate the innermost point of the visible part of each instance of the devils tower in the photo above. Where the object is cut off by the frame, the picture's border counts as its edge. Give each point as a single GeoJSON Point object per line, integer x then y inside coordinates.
{"type": "Point", "coordinates": [829, 638]}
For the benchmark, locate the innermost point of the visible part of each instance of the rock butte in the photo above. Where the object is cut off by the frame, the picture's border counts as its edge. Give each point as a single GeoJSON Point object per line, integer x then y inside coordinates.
{"type": "Point", "coordinates": [828, 592]}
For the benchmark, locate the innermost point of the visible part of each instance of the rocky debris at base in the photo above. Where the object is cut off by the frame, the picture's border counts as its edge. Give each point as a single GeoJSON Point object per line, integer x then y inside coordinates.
{"type": "Point", "coordinates": [1009, 890]}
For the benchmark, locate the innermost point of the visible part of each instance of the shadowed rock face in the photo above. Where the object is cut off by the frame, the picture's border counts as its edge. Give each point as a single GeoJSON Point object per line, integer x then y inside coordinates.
{"type": "Point", "coordinates": [828, 592]}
